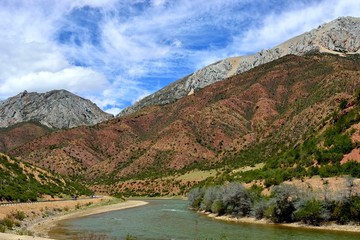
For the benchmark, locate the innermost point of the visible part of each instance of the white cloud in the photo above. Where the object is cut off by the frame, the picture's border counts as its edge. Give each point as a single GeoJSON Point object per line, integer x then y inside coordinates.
{"type": "Point", "coordinates": [299, 18]}
{"type": "Point", "coordinates": [162, 40]}
{"type": "Point", "coordinates": [114, 111]}
{"type": "Point", "coordinates": [75, 79]}
{"type": "Point", "coordinates": [158, 3]}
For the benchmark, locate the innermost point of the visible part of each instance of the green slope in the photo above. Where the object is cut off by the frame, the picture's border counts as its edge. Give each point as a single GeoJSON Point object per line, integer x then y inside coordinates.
{"type": "Point", "coordinates": [24, 182]}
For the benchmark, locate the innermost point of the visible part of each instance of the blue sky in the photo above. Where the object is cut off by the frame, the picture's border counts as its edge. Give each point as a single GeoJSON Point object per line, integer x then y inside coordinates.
{"type": "Point", "coordinates": [114, 52]}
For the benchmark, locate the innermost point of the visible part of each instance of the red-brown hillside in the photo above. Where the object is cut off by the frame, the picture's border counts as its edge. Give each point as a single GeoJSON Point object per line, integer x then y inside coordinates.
{"type": "Point", "coordinates": [282, 100]}
{"type": "Point", "coordinates": [20, 134]}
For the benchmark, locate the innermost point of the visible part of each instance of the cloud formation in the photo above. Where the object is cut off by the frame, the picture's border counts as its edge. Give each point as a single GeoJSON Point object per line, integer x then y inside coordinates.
{"type": "Point", "coordinates": [116, 52]}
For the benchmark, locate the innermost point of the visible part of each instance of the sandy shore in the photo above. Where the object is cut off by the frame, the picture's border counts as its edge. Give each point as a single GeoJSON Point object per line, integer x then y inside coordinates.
{"type": "Point", "coordinates": [42, 228]}
{"type": "Point", "coordinates": [329, 226]}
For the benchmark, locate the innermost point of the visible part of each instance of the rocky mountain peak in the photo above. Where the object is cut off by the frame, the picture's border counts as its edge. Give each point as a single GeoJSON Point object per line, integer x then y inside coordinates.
{"type": "Point", "coordinates": [340, 36]}
{"type": "Point", "coordinates": [55, 109]}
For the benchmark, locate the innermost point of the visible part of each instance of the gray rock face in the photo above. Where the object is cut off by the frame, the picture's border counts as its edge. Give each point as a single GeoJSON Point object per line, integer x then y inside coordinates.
{"type": "Point", "coordinates": [341, 36]}
{"type": "Point", "coordinates": [55, 109]}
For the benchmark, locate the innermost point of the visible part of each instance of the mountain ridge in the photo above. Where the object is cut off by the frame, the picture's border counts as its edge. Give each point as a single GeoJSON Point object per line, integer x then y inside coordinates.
{"type": "Point", "coordinates": [339, 36]}
{"type": "Point", "coordinates": [55, 109]}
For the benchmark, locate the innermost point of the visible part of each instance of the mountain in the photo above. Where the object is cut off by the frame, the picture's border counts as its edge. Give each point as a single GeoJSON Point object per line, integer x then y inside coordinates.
{"type": "Point", "coordinates": [21, 133]}
{"type": "Point", "coordinates": [247, 119]}
{"type": "Point", "coordinates": [23, 182]}
{"type": "Point", "coordinates": [56, 109]}
{"type": "Point", "coordinates": [341, 36]}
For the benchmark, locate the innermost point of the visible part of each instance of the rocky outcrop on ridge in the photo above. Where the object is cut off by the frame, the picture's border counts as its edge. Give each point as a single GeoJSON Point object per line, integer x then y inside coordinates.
{"type": "Point", "coordinates": [55, 109]}
{"type": "Point", "coordinates": [341, 36]}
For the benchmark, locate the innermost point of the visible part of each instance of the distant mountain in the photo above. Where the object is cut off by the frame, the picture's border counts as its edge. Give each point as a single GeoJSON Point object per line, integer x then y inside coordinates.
{"type": "Point", "coordinates": [341, 36]}
{"type": "Point", "coordinates": [56, 109]}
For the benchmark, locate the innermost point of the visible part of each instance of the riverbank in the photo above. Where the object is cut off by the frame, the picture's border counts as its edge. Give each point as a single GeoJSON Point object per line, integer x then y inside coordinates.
{"type": "Point", "coordinates": [331, 226]}
{"type": "Point", "coordinates": [40, 227]}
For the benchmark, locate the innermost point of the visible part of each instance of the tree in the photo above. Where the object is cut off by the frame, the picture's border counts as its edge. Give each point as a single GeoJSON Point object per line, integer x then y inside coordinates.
{"type": "Point", "coordinates": [282, 205]}
{"type": "Point", "coordinates": [211, 194]}
{"type": "Point", "coordinates": [236, 199]}
{"type": "Point", "coordinates": [312, 212]}
{"type": "Point", "coordinates": [195, 197]}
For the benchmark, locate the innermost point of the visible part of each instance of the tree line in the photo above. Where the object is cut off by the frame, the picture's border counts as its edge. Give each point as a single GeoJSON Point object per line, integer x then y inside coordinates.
{"type": "Point", "coordinates": [286, 204]}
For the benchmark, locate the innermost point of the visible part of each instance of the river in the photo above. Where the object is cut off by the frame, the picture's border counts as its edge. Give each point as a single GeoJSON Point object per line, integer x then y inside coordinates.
{"type": "Point", "coordinates": [170, 219]}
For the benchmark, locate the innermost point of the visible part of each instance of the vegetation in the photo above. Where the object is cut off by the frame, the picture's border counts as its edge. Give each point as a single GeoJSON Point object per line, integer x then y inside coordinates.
{"type": "Point", "coordinates": [285, 205]}
{"type": "Point", "coordinates": [23, 182]}
{"type": "Point", "coordinates": [319, 154]}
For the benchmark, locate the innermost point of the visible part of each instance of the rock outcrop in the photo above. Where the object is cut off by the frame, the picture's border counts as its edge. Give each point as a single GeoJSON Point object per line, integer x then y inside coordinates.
{"type": "Point", "coordinates": [55, 109]}
{"type": "Point", "coordinates": [341, 36]}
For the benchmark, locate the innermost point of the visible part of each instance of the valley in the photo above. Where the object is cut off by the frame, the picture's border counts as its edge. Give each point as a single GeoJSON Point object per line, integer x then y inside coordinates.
{"type": "Point", "coordinates": [273, 136]}
{"type": "Point", "coordinates": [226, 125]}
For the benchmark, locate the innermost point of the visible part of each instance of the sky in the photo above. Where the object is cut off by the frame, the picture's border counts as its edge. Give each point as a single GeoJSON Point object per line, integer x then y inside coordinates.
{"type": "Point", "coordinates": [115, 52]}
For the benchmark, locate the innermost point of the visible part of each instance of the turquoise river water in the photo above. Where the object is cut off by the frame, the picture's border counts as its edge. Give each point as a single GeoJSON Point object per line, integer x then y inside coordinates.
{"type": "Point", "coordinates": [171, 219]}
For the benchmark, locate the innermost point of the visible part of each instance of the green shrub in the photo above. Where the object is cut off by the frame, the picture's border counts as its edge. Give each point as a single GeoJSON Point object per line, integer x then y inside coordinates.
{"type": "Point", "coordinates": [130, 237]}
{"type": "Point", "coordinates": [236, 199]}
{"type": "Point", "coordinates": [211, 194]}
{"type": "Point", "coordinates": [312, 212]}
{"type": "Point", "coordinates": [218, 207]}
{"type": "Point", "coordinates": [25, 232]}
{"type": "Point", "coordinates": [260, 208]}
{"type": "Point", "coordinates": [343, 103]}
{"type": "Point", "coordinates": [270, 212]}
{"type": "Point", "coordinates": [9, 223]}
{"type": "Point", "coordinates": [195, 197]}
{"type": "Point", "coordinates": [19, 215]}
{"type": "Point", "coordinates": [2, 228]}
{"type": "Point", "coordinates": [355, 208]}
{"type": "Point", "coordinates": [282, 204]}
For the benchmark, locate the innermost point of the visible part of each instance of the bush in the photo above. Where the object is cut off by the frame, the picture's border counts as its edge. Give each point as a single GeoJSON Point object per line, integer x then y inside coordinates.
{"type": "Point", "coordinates": [8, 223]}
{"type": "Point", "coordinates": [25, 232]}
{"type": "Point", "coordinates": [236, 200]}
{"type": "Point", "coordinates": [259, 210]}
{"type": "Point", "coordinates": [355, 208]}
{"type": "Point", "coordinates": [312, 212]}
{"type": "Point", "coordinates": [195, 198]}
{"type": "Point", "coordinates": [2, 228]}
{"type": "Point", "coordinates": [282, 204]}
{"type": "Point", "coordinates": [270, 212]}
{"type": "Point", "coordinates": [343, 103]}
{"type": "Point", "coordinates": [347, 209]}
{"type": "Point", "coordinates": [211, 194]}
{"type": "Point", "coordinates": [130, 237]}
{"type": "Point", "coordinates": [19, 215]}
{"type": "Point", "coordinates": [218, 207]}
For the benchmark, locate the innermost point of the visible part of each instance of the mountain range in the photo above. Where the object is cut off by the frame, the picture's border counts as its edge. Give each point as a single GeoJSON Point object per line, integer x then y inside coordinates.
{"type": "Point", "coordinates": [268, 103]}
{"type": "Point", "coordinates": [340, 36]}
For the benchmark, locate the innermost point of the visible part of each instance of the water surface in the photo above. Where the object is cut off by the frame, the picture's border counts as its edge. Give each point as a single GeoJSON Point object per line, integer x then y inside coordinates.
{"type": "Point", "coordinates": [170, 219]}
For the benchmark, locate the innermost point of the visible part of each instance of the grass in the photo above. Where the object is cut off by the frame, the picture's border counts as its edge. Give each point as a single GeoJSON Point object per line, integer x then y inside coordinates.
{"type": "Point", "coordinates": [248, 168]}
{"type": "Point", "coordinates": [197, 175]}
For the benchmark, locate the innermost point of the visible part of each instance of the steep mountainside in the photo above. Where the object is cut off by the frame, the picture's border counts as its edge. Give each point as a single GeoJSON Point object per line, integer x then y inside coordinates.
{"type": "Point", "coordinates": [23, 182]}
{"type": "Point", "coordinates": [338, 37]}
{"type": "Point", "coordinates": [237, 122]}
{"type": "Point", "coordinates": [54, 109]}
{"type": "Point", "coordinates": [20, 133]}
